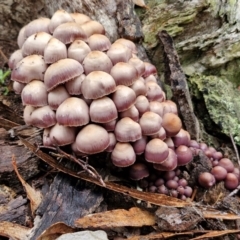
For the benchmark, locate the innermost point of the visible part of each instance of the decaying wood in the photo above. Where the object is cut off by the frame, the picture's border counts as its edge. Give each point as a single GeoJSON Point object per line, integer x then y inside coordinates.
{"type": "Point", "coordinates": [175, 77]}
{"type": "Point", "coordinates": [65, 202]}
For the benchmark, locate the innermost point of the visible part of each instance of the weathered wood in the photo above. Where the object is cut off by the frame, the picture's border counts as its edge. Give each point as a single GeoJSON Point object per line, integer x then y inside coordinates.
{"type": "Point", "coordinates": [175, 77]}
{"type": "Point", "coordinates": [65, 202]}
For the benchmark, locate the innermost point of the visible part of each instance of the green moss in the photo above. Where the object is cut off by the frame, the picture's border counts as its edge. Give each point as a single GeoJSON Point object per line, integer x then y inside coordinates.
{"type": "Point", "coordinates": [222, 102]}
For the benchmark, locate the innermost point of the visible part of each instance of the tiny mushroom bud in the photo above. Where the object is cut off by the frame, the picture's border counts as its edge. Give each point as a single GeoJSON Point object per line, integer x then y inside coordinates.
{"type": "Point", "coordinates": [97, 84]}
{"type": "Point", "coordinates": [219, 173]}
{"type": "Point", "coordinates": [18, 87]}
{"type": "Point", "coordinates": [73, 112]}
{"type": "Point", "coordinates": [184, 155]}
{"type": "Point", "coordinates": [99, 42]}
{"type": "Point", "coordinates": [62, 135]}
{"type": "Point", "coordinates": [27, 112]}
{"type": "Point", "coordinates": [78, 50]}
{"type": "Point", "coordinates": [119, 53]}
{"type": "Point", "coordinates": [124, 73]}
{"type": "Point", "coordinates": [171, 123]}
{"type": "Point", "coordinates": [103, 110]}
{"type": "Point", "coordinates": [29, 68]}
{"type": "Point", "coordinates": [68, 32]}
{"type": "Point", "coordinates": [123, 155]}
{"type": "Point", "coordinates": [58, 18]}
{"type": "Point", "coordinates": [35, 44]}
{"type": "Point", "coordinates": [138, 171]}
{"type": "Point", "coordinates": [127, 130]}
{"type": "Point", "coordinates": [124, 97]}
{"type": "Point", "coordinates": [34, 94]}
{"type": "Point", "coordinates": [227, 164]}
{"type": "Point", "coordinates": [57, 96]}
{"type": "Point", "coordinates": [231, 181]}
{"type": "Point", "coordinates": [35, 26]}
{"type": "Point", "coordinates": [150, 123]}
{"type": "Point", "coordinates": [156, 151]}
{"type": "Point", "coordinates": [43, 117]}
{"type": "Point", "coordinates": [92, 139]}
{"type": "Point", "coordinates": [61, 72]}
{"type": "Point", "coordinates": [97, 61]}
{"type": "Point", "coordinates": [54, 51]}
{"type": "Point", "coordinates": [206, 179]}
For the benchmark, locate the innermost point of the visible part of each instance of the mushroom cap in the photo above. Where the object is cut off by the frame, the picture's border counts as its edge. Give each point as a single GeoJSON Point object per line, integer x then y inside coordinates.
{"type": "Point", "coordinates": [131, 112]}
{"type": "Point", "coordinates": [124, 73]}
{"type": "Point", "coordinates": [29, 68]}
{"type": "Point", "coordinates": [15, 57]}
{"type": "Point", "coordinates": [149, 69]}
{"type": "Point", "coordinates": [97, 61]}
{"type": "Point", "coordinates": [99, 42]}
{"type": "Point", "coordinates": [61, 72]}
{"type": "Point", "coordinates": [140, 145]}
{"type": "Point", "coordinates": [58, 18]}
{"type": "Point", "coordinates": [74, 86]}
{"type": "Point", "coordinates": [127, 43]}
{"type": "Point", "coordinates": [227, 164]}
{"type": "Point", "coordinates": [123, 155]}
{"type": "Point", "coordinates": [92, 139]}
{"type": "Point", "coordinates": [154, 92]}
{"type": "Point", "coordinates": [93, 27]}
{"type": "Point", "coordinates": [62, 135]}
{"type": "Point", "coordinates": [110, 126]}
{"type": "Point", "coordinates": [68, 32]}
{"type": "Point", "coordinates": [138, 64]}
{"type": "Point", "coordinates": [142, 104]}
{"type": "Point", "coordinates": [206, 179]}
{"type": "Point", "coordinates": [18, 87]}
{"type": "Point", "coordinates": [37, 25]}
{"type": "Point", "coordinates": [156, 107]}
{"type": "Point", "coordinates": [184, 155]}
{"type": "Point", "coordinates": [27, 112]}
{"type": "Point", "coordinates": [80, 18]}
{"type": "Point", "coordinates": [73, 112]}
{"type": "Point", "coordinates": [46, 137]}
{"type": "Point", "coordinates": [43, 117]}
{"type": "Point", "coordinates": [103, 110]}
{"type": "Point", "coordinates": [156, 151]}
{"type": "Point", "coordinates": [139, 87]}
{"type": "Point", "coordinates": [138, 171]}
{"type": "Point", "coordinates": [35, 43]}
{"type": "Point", "coordinates": [171, 123]}
{"type": "Point", "coordinates": [169, 164]}
{"type": "Point", "coordinates": [181, 138]}
{"type": "Point", "coordinates": [127, 130]}
{"type": "Point", "coordinates": [124, 97]}
{"type": "Point", "coordinates": [57, 96]}
{"type": "Point", "coordinates": [34, 94]}
{"type": "Point", "coordinates": [54, 51]}
{"type": "Point", "coordinates": [150, 123]}
{"type": "Point", "coordinates": [97, 84]}
{"type": "Point", "coordinates": [112, 142]}
{"type": "Point", "coordinates": [119, 53]}
{"type": "Point", "coordinates": [78, 50]}
{"type": "Point", "coordinates": [21, 37]}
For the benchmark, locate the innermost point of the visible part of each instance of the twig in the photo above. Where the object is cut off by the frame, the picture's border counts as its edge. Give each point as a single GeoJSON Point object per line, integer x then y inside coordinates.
{"type": "Point", "coordinates": [3, 55]}
{"type": "Point", "coordinates": [235, 149]}
{"type": "Point", "coordinates": [235, 191]}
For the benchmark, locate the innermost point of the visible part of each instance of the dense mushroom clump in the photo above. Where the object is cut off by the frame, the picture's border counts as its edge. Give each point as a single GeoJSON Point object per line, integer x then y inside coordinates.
{"type": "Point", "coordinates": [98, 96]}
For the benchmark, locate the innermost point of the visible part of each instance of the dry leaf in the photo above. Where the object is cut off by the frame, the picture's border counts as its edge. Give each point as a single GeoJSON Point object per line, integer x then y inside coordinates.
{"type": "Point", "coordinates": [55, 231]}
{"type": "Point", "coordinates": [33, 195]}
{"type": "Point", "coordinates": [212, 234]}
{"type": "Point", "coordinates": [220, 215]}
{"type": "Point", "coordinates": [154, 198]}
{"type": "Point", "coordinates": [135, 217]}
{"type": "Point", "coordinates": [13, 230]}
{"type": "Point", "coordinates": [140, 3]}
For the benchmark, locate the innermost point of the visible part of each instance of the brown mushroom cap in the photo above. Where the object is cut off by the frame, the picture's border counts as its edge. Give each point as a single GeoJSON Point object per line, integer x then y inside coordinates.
{"type": "Point", "coordinates": [138, 171]}
{"type": "Point", "coordinates": [92, 139]}
{"type": "Point", "coordinates": [103, 110]}
{"type": "Point", "coordinates": [127, 130]}
{"type": "Point", "coordinates": [61, 72]}
{"type": "Point", "coordinates": [29, 68]}
{"type": "Point", "coordinates": [97, 84]}
{"type": "Point", "coordinates": [171, 123]}
{"type": "Point", "coordinates": [73, 112]}
{"type": "Point", "coordinates": [123, 155]}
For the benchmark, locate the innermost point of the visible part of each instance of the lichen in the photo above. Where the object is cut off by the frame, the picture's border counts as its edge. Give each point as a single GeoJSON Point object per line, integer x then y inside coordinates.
{"type": "Point", "coordinates": [222, 101]}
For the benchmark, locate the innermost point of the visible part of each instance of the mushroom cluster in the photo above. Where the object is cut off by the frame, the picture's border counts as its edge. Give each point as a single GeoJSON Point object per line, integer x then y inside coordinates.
{"type": "Point", "coordinates": [96, 96]}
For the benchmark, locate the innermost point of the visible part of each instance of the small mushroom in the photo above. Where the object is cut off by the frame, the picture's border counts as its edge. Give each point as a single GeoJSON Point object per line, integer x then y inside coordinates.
{"type": "Point", "coordinates": [15, 58]}
{"type": "Point", "coordinates": [99, 42]}
{"type": "Point", "coordinates": [138, 171]}
{"type": "Point", "coordinates": [80, 18]}
{"type": "Point", "coordinates": [92, 27]}
{"type": "Point", "coordinates": [78, 50]}
{"type": "Point", "coordinates": [171, 123]}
